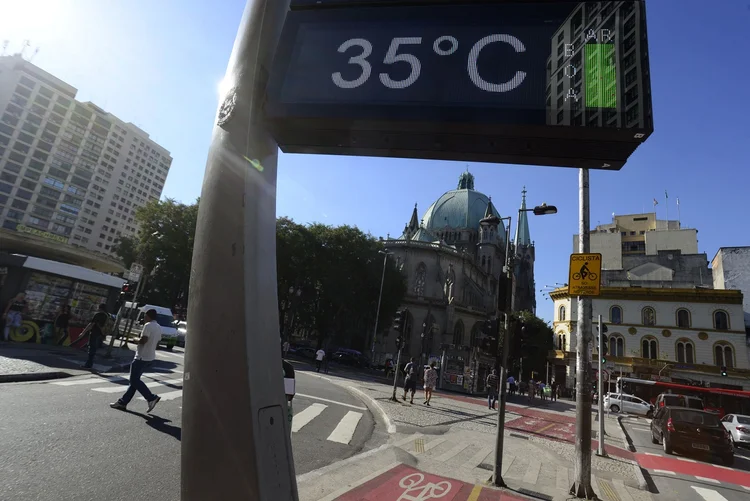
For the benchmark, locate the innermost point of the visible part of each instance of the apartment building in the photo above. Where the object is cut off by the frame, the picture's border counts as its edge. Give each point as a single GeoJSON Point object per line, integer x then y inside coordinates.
{"type": "Point", "coordinates": [70, 172]}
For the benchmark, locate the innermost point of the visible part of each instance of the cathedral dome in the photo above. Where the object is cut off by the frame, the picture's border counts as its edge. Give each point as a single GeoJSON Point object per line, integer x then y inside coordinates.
{"type": "Point", "coordinates": [460, 208]}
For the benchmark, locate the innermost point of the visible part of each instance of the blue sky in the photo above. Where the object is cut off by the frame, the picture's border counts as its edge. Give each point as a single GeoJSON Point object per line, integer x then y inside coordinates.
{"type": "Point", "coordinates": [158, 64]}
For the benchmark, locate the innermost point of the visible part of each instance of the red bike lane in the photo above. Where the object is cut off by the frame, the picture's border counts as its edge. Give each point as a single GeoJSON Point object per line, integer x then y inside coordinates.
{"type": "Point", "coordinates": [407, 483]}
{"type": "Point", "coordinates": [693, 468]}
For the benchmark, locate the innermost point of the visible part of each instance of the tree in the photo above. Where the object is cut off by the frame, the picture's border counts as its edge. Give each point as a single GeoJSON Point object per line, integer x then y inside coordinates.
{"type": "Point", "coordinates": [164, 246]}
{"type": "Point", "coordinates": [533, 345]}
{"type": "Point", "coordinates": [338, 270]}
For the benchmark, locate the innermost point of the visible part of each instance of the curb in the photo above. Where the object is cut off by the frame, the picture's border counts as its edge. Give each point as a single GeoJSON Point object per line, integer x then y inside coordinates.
{"type": "Point", "coordinates": [383, 415]}
{"type": "Point", "coordinates": [628, 443]}
{"type": "Point", "coordinates": [32, 376]}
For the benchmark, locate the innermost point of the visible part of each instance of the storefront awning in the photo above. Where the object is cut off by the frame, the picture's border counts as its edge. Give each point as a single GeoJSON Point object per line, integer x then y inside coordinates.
{"type": "Point", "coordinates": [72, 271]}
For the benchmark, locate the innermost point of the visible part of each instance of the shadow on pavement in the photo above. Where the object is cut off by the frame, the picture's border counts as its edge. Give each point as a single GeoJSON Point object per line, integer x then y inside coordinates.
{"type": "Point", "coordinates": [158, 423]}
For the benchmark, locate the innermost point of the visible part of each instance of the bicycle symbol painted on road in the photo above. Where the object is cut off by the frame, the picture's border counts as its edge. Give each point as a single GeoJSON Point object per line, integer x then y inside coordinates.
{"type": "Point", "coordinates": [584, 273]}
{"type": "Point", "coordinates": [416, 492]}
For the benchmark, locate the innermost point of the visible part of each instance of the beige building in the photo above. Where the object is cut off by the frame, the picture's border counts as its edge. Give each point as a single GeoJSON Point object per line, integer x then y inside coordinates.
{"type": "Point", "coordinates": [70, 172]}
{"type": "Point", "coordinates": [664, 317]}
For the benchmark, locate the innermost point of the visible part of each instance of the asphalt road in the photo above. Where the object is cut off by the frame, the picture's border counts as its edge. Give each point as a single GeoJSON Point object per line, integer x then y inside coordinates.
{"type": "Point", "coordinates": [61, 441]}
{"type": "Point", "coordinates": [682, 478]}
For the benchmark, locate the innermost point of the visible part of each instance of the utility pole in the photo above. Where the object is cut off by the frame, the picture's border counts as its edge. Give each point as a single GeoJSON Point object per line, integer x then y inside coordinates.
{"type": "Point", "coordinates": [235, 431]}
{"type": "Point", "coordinates": [582, 485]}
{"type": "Point", "coordinates": [377, 312]}
{"type": "Point", "coordinates": [600, 394]}
{"type": "Point", "coordinates": [395, 372]}
{"type": "Point", "coordinates": [497, 478]}
{"type": "Point", "coordinates": [133, 304]}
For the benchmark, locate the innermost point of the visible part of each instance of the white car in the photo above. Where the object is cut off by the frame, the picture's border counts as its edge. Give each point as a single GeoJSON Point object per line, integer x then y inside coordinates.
{"type": "Point", "coordinates": [739, 427]}
{"type": "Point", "coordinates": [622, 402]}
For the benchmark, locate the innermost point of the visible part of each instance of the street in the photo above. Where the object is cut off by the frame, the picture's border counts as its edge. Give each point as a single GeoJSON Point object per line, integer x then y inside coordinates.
{"type": "Point", "coordinates": [678, 477]}
{"type": "Point", "coordinates": [62, 441]}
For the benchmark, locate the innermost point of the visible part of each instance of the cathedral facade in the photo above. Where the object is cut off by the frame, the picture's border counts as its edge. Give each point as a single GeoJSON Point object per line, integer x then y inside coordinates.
{"type": "Point", "coordinates": [453, 260]}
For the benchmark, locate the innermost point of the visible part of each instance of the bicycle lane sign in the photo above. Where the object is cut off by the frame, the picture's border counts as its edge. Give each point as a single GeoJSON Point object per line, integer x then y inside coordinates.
{"type": "Point", "coordinates": [585, 274]}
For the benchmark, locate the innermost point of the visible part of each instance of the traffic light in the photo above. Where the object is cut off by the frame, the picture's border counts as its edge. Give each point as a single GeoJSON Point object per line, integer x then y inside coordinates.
{"type": "Point", "coordinates": [487, 327]}
{"type": "Point", "coordinates": [398, 321]}
{"type": "Point", "coordinates": [399, 342]}
{"type": "Point", "coordinates": [605, 349]}
{"type": "Point", "coordinates": [724, 370]}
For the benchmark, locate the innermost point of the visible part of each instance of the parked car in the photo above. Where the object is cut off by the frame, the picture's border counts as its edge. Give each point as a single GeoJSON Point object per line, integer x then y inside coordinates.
{"type": "Point", "coordinates": [691, 431]}
{"type": "Point", "coordinates": [303, 352]}
{"type": "Point", "coordinates": [739, 427]}
{"type": "Point", "coordinates": [617, 402]}
{"type": "Point", "coordinates": [676, 400]}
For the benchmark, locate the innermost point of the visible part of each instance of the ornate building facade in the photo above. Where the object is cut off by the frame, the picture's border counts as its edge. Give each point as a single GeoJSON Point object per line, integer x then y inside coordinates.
{"type": "Point", "coordinates": [453, 261]}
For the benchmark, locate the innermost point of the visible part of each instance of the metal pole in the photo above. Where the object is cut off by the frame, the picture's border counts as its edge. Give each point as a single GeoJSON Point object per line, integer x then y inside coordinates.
{"type": "Point", "coordinates": [114, 332]}
{"type": "Point", "coordinates": [442, 370]}
{"type": "Point", "coordinates": [133, 304]}
{"type": "Point", "coordinates": [497, 478]}
{"type": "Point", "coordinates": [377, 313]}
{"type": "Point", "coordinates": [235, 430]}
{"type": "Point", "coordinates": [600, 449]}
{"type": "Point", "coordinates": [582, 485]}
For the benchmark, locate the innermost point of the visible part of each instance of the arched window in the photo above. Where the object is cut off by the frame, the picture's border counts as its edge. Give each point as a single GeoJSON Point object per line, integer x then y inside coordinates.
{"type": "Point", "coordinates": [685, 351]}
{"type": "Point", "coordinates": [419, 280]}
{"type": "Point", "coordinates": [724, 355]}
{"type": "Point", "coordinates": [458, 334]}
{"type": "Point", "coordinates": [616, 345]}
{"type": "Point", "coordinates": [683, 318]}
{"type": "Point", "coordinates": [615, 315]}
{"type": "Point", "coordinates": [475, 331]}
{"type": "Point", "coordinates": [561, 313]}
{"type": "Point", "coordinates": [559, 342]}
{"type": "Point", "coordinates": [565, 342]}
{"type": "Point", "coordinates": [649, 348]}
{"type": "Point", "coordinates": [721, 320]}
{"type": "Point", "coordinates": [648, 316]}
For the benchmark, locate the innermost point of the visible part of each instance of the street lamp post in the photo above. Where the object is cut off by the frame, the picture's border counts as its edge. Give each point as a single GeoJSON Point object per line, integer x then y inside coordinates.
{"type": "Point", "coordinates": [291, 305]}
{"type": "Point", "coordinates": [539, 210]}
{"type": "Point", "coordinates": [377, 312]}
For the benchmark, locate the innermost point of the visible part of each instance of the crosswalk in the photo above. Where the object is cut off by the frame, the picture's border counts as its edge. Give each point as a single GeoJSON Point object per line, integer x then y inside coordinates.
{"type": "Point", "coordinates": [325, 415]}
{"type": "Point", "coordinates": [167, 388]}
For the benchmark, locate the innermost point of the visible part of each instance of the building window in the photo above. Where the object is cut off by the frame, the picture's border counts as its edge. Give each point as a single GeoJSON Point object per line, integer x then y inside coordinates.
{"type": "Point", "coordinates": [419, 280]}
{"type": "Point", "coordinates": [616, 345]}
{"type": "Point", "coordinates": [615, 315]}
{"type": "Point", "coordinates": [724, 355]}
{"type": "Point", "coordinates": [685, 351]}
{"type": "Point", "coordinates": [649, 348]}
{"type": "Point", "coordinates": [561, 313]}
{"type": "Point", "coordinates": [683, 318]}
{"type": "Point", "coordinates": [458, 334]}
{"type": "Point", "coordinates": [721, 320]}
{"type": "Point", "coordinates": [648, 316]}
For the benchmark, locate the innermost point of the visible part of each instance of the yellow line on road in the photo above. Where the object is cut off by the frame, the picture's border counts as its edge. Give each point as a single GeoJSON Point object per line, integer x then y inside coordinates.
{"type": "Point", "coordinates": [545, 428]}
{"type": "Point", "coordinates": [474, 494]}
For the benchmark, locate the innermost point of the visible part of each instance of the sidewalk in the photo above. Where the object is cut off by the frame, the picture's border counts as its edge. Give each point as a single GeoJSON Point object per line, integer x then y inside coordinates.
{"type": "Point", "coordinates": [450, 446]}
{"type": "Point", "coordinates": [39, 362]}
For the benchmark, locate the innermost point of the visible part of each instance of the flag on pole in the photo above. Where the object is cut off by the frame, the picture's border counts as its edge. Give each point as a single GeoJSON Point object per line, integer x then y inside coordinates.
{"type": "Point", "coordinates": [655, 203]}
{"type": "Point", "coordinates": [678, 200]}
{"type": "Point", "coordinates": [665, 194]}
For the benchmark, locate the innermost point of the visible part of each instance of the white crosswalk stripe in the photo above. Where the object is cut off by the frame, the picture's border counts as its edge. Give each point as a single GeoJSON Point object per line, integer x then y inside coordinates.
{"type": "Point", "coordinates": [306, 415]}
{"type": "Point", "coordinates": [170, 395]}
{"type": "Point", "coordinates": [90, 380]}
{"type": "Point", "coordinates": [708, 494]}
{"type": "Point", "coordinates": [119, 388]}
{"type": "Point", "coordinates": [344, 431]}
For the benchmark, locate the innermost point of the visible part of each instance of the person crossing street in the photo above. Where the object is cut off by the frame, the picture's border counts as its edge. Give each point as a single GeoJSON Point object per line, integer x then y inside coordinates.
{"type": "Point", "coordinates": [492, 387]}
{"type": "Point", "coordinates": [145, 353]}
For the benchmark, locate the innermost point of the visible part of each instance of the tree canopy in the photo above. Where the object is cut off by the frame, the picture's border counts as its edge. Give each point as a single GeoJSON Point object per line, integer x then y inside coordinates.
{"type": "Point", "coordinates": [538, 339]}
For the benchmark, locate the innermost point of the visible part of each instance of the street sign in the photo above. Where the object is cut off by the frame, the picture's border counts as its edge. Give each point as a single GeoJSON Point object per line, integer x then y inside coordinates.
{"type": "Point", "coordinates": [507, 82]}
{"type": "Point", "coordinates": [584, 276]}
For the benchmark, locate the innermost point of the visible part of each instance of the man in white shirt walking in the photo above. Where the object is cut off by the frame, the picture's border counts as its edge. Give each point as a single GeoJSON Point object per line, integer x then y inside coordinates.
{"type": "Point", "coordinates": [319, 356]}
{"type": "Point", "coordinates": [145, 353]}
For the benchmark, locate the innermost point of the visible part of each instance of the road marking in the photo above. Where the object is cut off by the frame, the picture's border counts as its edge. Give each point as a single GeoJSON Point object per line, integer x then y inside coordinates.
{"type": "Point", "coordinates": [90, 380]}
{"type": "Point", "coordinates": [708, 494]}
{"type": "Point", "coordinates": [544, 429]}
{"type": "Point", "coordinates": [307, 415]}
{"type": "Point", "coordinates": [746, 487]}
{"type": "Point", "coordinates": [119, 388]}
{"type": "Point", "coordinates": [170, 395]}
{"type": "Point", "coordinates": [474, 494]}
{"type": "Point", "coordinates": [96, 367]}
{"type": "Point", "coordinates": [704, 479]}
{"type": "Point", "coordinates": [331, 401]}
{"type": "Point", "coordinates": [349, 486]}
{"type": "Point", "coordinates": [688, 460]}
{"type": "Point", "coordinates": [651, 454]}
{"type": "Point", "coordinates": [344, 431]}
{"type": "Point", "coordinates": [665, 472]}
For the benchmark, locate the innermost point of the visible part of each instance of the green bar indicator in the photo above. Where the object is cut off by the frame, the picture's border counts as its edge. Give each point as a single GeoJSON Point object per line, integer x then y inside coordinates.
{"type": "Point", "coordinates": [600, 75]}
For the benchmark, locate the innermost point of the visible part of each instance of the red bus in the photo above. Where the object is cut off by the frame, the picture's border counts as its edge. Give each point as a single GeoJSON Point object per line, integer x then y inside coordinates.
{"type": "Point", "coordinates": [718, 400]}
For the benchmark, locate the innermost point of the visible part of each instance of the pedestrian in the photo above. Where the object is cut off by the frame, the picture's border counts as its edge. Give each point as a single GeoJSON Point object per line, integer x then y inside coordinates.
{"type": "Point", "coordinates": [511, 385]}
{"type": "Point", "coordinates": [13, 314]}
{"type": "Point", "coordinates": [492, 388]}
{"type": "Point", "coordinates": [145, 353]}
{"type": "Point", "coordinates": [430, 382]}
{"type": "Point", "coordinates": [410, 382]}
{"type": "Point", "coordinates": [554, 390]}
{"type": "Point", "coordinates": [61, 324]}
{"type": "Point", "coordinates": [319, 356]}
{"type": "Point", "coordinates": [286, 348]}
{"type": "Point", "coordinates": [95, 330]}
